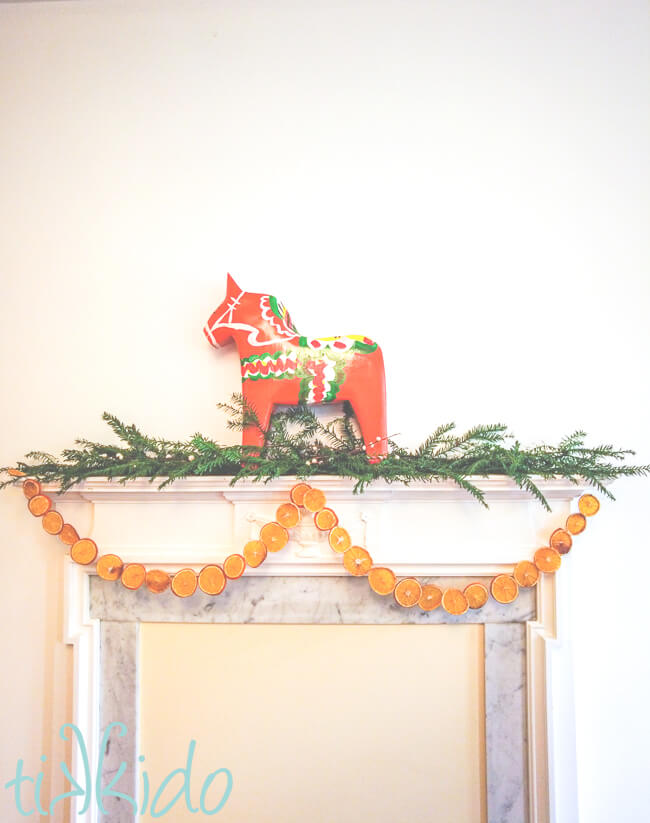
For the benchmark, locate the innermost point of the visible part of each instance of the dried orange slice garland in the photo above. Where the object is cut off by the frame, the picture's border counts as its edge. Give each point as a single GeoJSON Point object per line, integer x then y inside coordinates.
{"type": "Point", "coordinates": [407, 592]}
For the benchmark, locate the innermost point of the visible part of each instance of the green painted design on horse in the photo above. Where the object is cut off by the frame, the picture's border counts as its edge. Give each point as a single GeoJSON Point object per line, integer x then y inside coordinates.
{"type": "Point", "coordinates": [357, 345]}
{"type": "Point", "coordinates": [271, 376]}
{"type": "Point", "coordinates": [305, 386]}
{"type": "Point", "coordinates": [273, 355]}
{"type": "Point", "coordinates": [335, 385]}
{"type": "Point", "coordinates": [365, 348]}
{"type": "Point", "coordinates": [302, 357]}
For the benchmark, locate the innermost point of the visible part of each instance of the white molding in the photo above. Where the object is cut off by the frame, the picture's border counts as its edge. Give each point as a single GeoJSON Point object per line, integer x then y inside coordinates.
{"type": "Point", "coordinates": [197, 489]}
{"type": "Point", "coordinates": [553, 796]}
{"type": "Point", "coordinates": [83, 633]}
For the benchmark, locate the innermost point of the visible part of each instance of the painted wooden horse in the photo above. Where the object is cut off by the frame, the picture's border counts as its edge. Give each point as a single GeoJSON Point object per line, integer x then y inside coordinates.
{"type": "Point", "coordinates": [280, 366]}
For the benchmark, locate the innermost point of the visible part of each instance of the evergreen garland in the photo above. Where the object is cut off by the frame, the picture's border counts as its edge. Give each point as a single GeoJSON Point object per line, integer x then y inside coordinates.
{"type": "Point", "coordinates": [297, 443]}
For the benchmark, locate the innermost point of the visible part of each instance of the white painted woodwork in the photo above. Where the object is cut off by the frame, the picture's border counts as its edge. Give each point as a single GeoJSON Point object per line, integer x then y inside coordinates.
{"type": "Point", "coordinates": [431, 529]}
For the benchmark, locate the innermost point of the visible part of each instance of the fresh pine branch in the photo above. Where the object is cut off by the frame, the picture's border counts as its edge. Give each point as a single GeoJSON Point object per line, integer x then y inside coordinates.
{"type": "Point", "coordinates": [298, 443]}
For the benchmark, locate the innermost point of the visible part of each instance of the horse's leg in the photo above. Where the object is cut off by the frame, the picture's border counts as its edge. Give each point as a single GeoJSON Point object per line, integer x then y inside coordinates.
{"type": "Point", "coordinates": [258, 394]}
{"type": "Point", "coordinates": [368, 401]}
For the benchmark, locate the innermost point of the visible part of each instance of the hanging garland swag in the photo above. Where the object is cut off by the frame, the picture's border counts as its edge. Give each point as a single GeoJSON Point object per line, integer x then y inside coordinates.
{"type": "Point", "coordinates": [408, 592]}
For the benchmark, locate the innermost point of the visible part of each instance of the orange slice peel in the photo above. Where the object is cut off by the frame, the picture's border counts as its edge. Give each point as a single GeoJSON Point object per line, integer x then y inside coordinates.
{"type": "Point", "coordinates": [297, 493]}
{"type": "Point", "coordinates": [234, 566]}
{"type": "Point", "coordinates": [454, 602]}
{"type": "Point", "coordinates": [357, 561]}
{"type": "Point", "coordinates": [547, 559]}
{"type": "Point", "coordinates": [84, 551]}
{"type": "Point", "coordinates": [133, 576]}
{"type": "Point", "coordinates": [109, 567]}
{"type": "Point", "coordinates": [255, 553]}
{"type": "Point", "coordinates": [339, 539]}
{"type": "Point", "coordinates": [326, 519]}
{"type": "Point", "coordinates": [288, 515]}
{"type": "Point", "coordinates": [314, 500]}
{"type": "Point", "coordinates": [576, 523]}
{"type": "Point", "coordinates": [408, 592]}
{"type": "Point", "coordinates": [52, 522]}
{"type": "Point", "coordinates": [476, 594]}
{"type": "Point", "coordinates": [184, 583]}
{"type": "Point", "coordinates": [39, 505]}
{"type": "Point", "coordinates": [430, 598]}
{"type": "Point", "coordinates": [274, 536]}
{"type": "Point", "coordinates": [157, 581]}
{"type": "Point", "coordinates": [588, 505]}
{"type": "Point", "coordinates": [561, 541]}
{"type": "Point", "coordinates": [526, 574]}
{"type": "Point", "coordinates": [212, 579]}
{"type": "Point", "coordinates": [382, 580]}
{"type": "Point", "coordinates": [504, 588]}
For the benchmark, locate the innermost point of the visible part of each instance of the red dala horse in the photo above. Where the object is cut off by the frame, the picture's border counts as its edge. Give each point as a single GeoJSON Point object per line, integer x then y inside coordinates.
{"type": "Point", "coordinates": [279, 366]}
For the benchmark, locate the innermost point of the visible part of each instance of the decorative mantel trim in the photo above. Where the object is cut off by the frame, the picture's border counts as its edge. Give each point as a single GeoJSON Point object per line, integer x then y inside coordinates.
{"type": "Point", "coordinates": [195, 489]}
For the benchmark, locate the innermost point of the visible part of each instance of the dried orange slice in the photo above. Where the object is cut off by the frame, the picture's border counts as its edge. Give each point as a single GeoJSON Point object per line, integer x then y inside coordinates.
{"type": "Point", "coordinates": [576, 523]}
{"type": "Point", "coordinates": [52, 522]}
{"type": "Point", "coordinates": [547, 559]}
{"type": "Point", "coordinates": [314, 500]}
{"type": "Point", "coordinates": [255, 552]}
{"type": "Point", "coordinates": [476, 594]}
{"type": "Point", "coordinates": [212, 580]}
{"type": "Point", "coordinates": [297, 493]}
{"type": "Point", "coordinates": [381, 580]}
{"type": "Point", "coordinates": [408, 592]}
{"type": "Point", "coordinates": [84, 551]}
{"type": "Point", "coordinates": [68, 534]}
{"type": "Point", "coordinates": [234, 566]}
{"type": "Point", "coordinates": [109, 566]}
{"type": "Point", "coordinates": [326, 519]}
{"type": "Point", "coordinates": [357, 561]}
{"type": "Point", "coordinates": [31, 488]}
{"type": "Point", "coordinates": [15, 473]}
{"type": "Point", "coordinates": [561, 541]}
{"type": "Point", "coordinates": [526, 574]}
{"type": "Point", "coordinates": [454, 602]}
{"type": "Point", "coordinates": [288, 515]}
{"type": "Point", "coordinates": [133, 575]}
{"type": "Point", "coordinates": [588, 505]}
{"type": "Point", "coordinates": [430, 598]}
{"type": "Point", "coordinates": [274, 536]}
{"type": "Point", "coordinates": [184, 583]}
{"type": "Point", "coordinates": [39, 505]}
{"type": "Point", "coordinates": [157, 581]}
{"type": "Point", "coordinates": [339, 539]}
{"type": "Point", "coordinates": [504, 588]}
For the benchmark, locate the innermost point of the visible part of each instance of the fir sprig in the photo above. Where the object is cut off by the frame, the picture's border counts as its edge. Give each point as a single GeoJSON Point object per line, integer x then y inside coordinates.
{"type": "Point", "coordinates": [297, 443]}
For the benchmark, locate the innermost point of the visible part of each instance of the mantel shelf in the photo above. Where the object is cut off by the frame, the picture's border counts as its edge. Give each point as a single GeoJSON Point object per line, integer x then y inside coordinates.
{"type": "Point", "coordinates": [192, 489]}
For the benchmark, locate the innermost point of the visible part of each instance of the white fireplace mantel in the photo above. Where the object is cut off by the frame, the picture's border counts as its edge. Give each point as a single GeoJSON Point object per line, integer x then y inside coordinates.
{"type": "Point", "coordinates": [427, 529]}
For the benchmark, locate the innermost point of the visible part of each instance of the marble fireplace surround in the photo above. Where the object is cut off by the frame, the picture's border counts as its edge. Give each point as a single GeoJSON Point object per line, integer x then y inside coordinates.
{"type": "Point", "coordinates": [432, 530]}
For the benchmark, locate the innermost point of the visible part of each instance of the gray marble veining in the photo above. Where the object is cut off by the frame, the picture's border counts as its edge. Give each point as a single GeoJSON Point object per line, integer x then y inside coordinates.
{"type": "Point", "coordinates": [506, 735]}
{"type": "Point", "coordinates": [292, 600]}
{"type": "Point", "coordinates": [317, 600]}
{"type": "Point", "coordinates": [119, 704]}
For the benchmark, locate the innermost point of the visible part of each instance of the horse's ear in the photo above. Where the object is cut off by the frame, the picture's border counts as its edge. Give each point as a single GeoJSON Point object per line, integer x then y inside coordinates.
{"type": "Point", "coordinates": [232, 287]}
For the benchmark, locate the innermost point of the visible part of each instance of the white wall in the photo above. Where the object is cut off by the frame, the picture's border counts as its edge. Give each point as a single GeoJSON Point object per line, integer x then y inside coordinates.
{"type": "Point", "coordinates": [465, 182]}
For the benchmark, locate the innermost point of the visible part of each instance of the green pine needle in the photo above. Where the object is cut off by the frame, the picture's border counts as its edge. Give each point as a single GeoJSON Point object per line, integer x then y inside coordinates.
{"type": "Point", "coordinates": [298, 443]}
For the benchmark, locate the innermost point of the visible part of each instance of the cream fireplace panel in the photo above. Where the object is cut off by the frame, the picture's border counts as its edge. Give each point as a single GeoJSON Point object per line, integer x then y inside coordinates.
{"type": "Point", "coordinates": [318, 722]}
